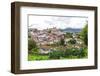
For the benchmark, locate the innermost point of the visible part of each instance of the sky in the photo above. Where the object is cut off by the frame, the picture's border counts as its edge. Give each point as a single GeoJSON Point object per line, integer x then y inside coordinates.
{"type": "Point", "coordinates": [41, 22]}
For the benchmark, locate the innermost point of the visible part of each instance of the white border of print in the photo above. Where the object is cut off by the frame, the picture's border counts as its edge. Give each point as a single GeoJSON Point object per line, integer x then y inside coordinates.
{"type": "Point", "coordinates": [25, 64]}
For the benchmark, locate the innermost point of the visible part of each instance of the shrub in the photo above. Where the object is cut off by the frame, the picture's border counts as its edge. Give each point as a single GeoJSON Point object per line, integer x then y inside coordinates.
{"type": "Point", "coordinates": [68, 35]}
{"type": "Point", "coordinates": [84, 52]}
{"type": "Point", "coordinates": [76, 52]}
{"type": "Point", "coordinates": [79, 53]}
{"type": "Point", "coordinates": [31, 45]}
{"type": "Point", "coordinates": [72, 41]}
{"type": "Point", "coordinates": [56, 54]}
{"type": "Point", "coordinates": [68, 52]}
{"type": "Point", "coordinates": [35, 51]}
{"type": "Point", "coordinates": [62, 42]}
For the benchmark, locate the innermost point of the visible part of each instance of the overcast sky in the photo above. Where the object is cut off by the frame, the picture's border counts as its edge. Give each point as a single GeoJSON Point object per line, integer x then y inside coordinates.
{"type": "Point", "coordinates": [43, 22]}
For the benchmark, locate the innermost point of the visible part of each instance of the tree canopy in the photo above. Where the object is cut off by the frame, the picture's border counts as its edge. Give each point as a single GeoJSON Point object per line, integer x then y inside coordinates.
{"type": "Point", "coordinates": [31, 44]}
{"type": "Point", "coordinates": [84, 34]}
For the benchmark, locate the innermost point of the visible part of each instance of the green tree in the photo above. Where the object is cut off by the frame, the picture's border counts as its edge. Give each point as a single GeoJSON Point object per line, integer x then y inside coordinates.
{"type": "Point", "coordinates": [62, 41]}
{"type": "Point", "coordinates": [31, 45]}
{"type": "Point", "coordinates": [72, 41]}
{"type": "Point", "coordinates": [56, 54]}
{"type": "Point", "coordinates": [49, 31]}
{"type": "Point", "coordinates": [83, 52]}
{"type": "Point", "coordinates": [84, 34]}
{"type": "Point", "coordinates": [68, 35]}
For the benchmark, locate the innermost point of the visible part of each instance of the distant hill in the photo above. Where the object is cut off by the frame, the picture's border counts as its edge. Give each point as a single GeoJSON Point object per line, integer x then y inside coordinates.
{"type": "Point", "coordinates": [71, 30]}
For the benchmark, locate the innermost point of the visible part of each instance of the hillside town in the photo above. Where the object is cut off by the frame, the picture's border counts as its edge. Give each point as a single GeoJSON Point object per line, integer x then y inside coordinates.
{"type": "Point", "coordinates": [46, 36]}
{"type": "Point", "coordinates": [54, 43]}
{"type": "Point", "coordinates": [57, 37]}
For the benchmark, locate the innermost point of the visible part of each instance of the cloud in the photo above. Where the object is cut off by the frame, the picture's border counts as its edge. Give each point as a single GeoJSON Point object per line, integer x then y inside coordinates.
{"type": "Point", "coordinates": [44, 22]}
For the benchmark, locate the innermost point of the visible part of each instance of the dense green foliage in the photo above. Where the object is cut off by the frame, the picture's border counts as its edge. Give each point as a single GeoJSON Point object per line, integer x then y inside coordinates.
{"type": "Point", "coordinates": [56, 54]}
{"type": "Point", "coordinates": [72, 41]}
{"type": "Point", "coordinates": [32, 47]}
{"type": "Point", "coordinates": [37, 57]}
{"type": "Point", "coordinates": [68, 35]}
{"type": "Point", "coordinates": [69, 53]}
{"type": "Point", "coordinates": [62, 42]}
{"type": "Point", "coordinates": [79, 53]}
{"type": "Point", "coordinates": [84, 34]}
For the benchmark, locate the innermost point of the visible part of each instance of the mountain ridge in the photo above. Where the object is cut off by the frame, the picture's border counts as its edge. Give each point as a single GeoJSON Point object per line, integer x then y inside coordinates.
{"type": "Point", "coordinates": [72, 30]}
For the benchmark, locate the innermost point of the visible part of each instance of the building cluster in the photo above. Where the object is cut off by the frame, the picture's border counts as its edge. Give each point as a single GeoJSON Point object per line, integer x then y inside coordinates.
{"type": "Point", "coordinates": [46, 36]}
